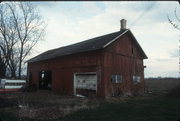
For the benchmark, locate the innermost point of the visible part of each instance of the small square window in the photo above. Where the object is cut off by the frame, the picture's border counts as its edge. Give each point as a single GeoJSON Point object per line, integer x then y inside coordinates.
{"type": "Point", "coordinates": [116, 78]}
{"type": "Point", "coordinates": [119, 79]}
{"type": "Point", "coordinates": [136, 79]}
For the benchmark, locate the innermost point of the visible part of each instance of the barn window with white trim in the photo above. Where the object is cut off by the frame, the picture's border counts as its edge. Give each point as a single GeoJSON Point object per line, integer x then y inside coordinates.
{"type": "Point", "coordinates": [116, 79]}
{"type": "Point", "coordinates": [136, 79]}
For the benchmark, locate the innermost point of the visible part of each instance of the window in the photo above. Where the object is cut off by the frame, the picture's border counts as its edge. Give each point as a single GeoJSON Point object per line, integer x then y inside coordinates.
{"type": "Point", "coordinates": [116, 78]}
{"type": "Point", "coordinates": [136, 79]}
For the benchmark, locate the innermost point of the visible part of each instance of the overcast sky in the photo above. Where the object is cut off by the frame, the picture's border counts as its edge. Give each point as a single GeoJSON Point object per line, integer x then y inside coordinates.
{"type": "Point", "coordinates": [71, 22]}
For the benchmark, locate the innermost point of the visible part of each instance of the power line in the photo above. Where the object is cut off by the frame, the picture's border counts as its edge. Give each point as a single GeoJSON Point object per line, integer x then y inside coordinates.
{"type": "Point", "coordinates": [142, 14]}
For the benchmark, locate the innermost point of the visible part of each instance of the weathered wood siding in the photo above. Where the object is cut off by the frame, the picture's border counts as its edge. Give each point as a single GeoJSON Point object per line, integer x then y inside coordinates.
{"type": "Point", "coordinates": [63, 70]}
{"type": "Point", "coordinates": [119, 59]}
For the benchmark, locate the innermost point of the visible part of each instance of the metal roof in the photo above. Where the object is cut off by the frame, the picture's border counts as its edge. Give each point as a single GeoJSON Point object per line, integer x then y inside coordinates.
{"type": "Point", "coordinates": [84, 46]}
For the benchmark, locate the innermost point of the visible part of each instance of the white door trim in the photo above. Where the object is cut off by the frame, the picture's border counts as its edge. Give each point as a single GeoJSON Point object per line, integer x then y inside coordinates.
{"type": "Point", "coordinates": [85, 73]}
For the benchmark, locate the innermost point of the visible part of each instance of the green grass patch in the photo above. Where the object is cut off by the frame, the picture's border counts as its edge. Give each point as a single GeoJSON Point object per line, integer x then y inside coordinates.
{"type": "Point", "coordinates": [8, 116]}
{"type": "Point", "coordinates": [5, 116]}
{"type": "Point", "coordinates": [154, 109]}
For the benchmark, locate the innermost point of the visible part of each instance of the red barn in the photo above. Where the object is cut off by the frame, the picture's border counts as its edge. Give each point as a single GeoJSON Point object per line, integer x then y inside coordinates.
{"type": "Point", "coordinates": [108, 65]}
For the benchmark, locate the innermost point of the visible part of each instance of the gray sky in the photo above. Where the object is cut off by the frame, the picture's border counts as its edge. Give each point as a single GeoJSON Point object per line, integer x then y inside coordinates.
{"type": "Point", "coordinates": [71, 22]}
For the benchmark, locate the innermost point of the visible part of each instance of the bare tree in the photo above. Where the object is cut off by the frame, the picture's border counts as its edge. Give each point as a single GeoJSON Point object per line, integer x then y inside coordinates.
{"type": "Point", "coordinates": [8, 40]}
{"type": "Point", "coordinates": [21, 27]}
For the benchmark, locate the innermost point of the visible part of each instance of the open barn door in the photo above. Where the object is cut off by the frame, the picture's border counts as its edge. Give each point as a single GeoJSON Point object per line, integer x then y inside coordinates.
{"type": "Point", "coordinates": [85, 84]}
{"type": "Point", "coordinates": [45, 79]}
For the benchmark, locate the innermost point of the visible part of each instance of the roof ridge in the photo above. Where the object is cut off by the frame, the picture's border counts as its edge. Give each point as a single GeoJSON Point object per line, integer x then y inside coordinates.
{"type": "Point", "coordinates": [115, 38]}
{"type": "Point", "coordinates": [94, 43]}
{"type": "Point", "coordinates": [86, 40]}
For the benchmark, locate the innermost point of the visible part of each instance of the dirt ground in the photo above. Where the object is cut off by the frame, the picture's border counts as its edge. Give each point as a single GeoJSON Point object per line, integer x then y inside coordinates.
{"type": "Point", "coordinates": [45, 104]}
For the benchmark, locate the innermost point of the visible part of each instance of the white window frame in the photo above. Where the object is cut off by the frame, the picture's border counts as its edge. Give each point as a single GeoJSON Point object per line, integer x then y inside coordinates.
{"type": "Point", "coordinates": [115, 79]}
{"type": "Point", "coordinates": [136, 79]}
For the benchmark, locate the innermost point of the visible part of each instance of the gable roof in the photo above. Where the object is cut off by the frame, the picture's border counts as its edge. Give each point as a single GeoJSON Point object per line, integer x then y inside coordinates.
{"type": "Point", "coordinates": [84, 46]}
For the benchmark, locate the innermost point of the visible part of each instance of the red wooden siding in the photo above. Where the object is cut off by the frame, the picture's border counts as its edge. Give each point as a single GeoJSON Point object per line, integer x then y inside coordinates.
{"type": "Point", "coordinates": [63, 70]}
{"type": "Point", "coordinates": [120, 57]}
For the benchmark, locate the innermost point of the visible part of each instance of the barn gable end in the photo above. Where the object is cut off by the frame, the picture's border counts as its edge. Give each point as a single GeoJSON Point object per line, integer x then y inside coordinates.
{"type": "Point", "coordinates": [123, 58]}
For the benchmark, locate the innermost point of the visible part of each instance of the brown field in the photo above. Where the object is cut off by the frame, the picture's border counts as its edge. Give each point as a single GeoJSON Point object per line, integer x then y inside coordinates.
{"type": "Point", "coordinates": [161, 84]}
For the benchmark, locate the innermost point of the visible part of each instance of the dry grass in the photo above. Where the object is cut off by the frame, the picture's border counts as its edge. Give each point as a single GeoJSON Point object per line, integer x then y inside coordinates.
{"type": "Point", "coordinates": [47, 105]}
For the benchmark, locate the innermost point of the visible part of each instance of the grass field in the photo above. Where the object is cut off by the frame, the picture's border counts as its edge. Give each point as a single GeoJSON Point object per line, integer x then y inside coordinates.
{"type": "Point", "coordinates": [146, 108]}
{"type": "Point", "coordinates": [154, 109]}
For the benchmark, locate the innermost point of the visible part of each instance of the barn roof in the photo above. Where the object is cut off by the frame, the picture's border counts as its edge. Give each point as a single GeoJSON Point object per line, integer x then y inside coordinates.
{"type": "Point", "coordinates": [85, 46]}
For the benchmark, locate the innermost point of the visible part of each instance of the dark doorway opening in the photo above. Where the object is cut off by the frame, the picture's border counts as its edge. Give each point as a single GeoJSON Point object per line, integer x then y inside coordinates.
{"type": "Point", "coordinates": [30, 78]}
{"type": "Point", "coordinates": [45, 79]}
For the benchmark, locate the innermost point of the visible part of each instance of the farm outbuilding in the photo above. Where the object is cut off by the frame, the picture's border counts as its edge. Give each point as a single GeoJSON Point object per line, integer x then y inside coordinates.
{"type": "Point", "coordinates": [108, 65]}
